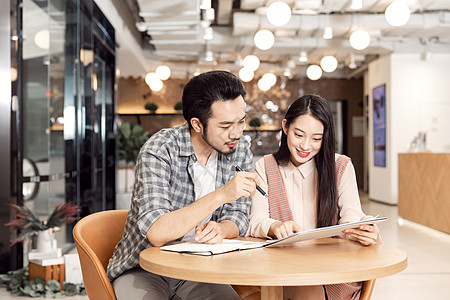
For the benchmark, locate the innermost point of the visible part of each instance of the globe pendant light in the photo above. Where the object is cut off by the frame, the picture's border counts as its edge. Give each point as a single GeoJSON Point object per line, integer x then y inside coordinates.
{"type": "Point", "coordinates": [314, 72]}
{"type": "Point", "coordinates": [397, 13]}
{"type": "Point", "coordinates": [246, 74]}
{"type": "Point", "coordinates": [329, 63]}
{"type": "Point", "coordinates": [163, 72]}
{"type": "Point", "coordinates": [251, 62]}
{"type": "Point", "coordinates": [359, 39]}
{"type": "Point", "coordinates": [279, 13]}
{"type": "Point", "coordinates": [264, 39]}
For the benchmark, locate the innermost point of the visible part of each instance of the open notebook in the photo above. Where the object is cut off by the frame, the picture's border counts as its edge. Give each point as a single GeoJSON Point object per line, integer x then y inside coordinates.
{"type": "Point", "coordinates": [236, 245]}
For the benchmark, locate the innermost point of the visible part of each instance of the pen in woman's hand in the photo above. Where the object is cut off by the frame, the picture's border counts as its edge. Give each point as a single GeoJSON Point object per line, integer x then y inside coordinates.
{"type": "Point", "coordinates": [239, 169]}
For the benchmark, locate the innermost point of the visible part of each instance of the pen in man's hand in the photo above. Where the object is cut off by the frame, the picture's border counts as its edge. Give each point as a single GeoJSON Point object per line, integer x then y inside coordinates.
{"type": "Point", "coordinates": [239, 169]}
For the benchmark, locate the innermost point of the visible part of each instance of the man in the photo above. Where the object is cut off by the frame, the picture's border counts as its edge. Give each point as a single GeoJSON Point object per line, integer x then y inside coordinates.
{"type": "Point", "coordinates": [186, 188]}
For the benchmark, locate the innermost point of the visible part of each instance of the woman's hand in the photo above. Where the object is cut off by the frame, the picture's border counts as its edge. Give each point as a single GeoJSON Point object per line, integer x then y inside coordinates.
{"type": "Point", "coordinates": [366, 234]}
{"type": "Point", "coordinates": [280, 230]}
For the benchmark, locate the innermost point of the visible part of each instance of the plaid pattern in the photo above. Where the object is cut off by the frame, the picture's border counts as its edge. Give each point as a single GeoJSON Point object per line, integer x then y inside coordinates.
{"type": "Point", "coordinates": [278, 203]}
{"type": "Point", "coordinates": [279, 210]}
{"type": "Point", "coordinates": [164, 183]}
{"type": "Point", "coordinates": [341, 164]}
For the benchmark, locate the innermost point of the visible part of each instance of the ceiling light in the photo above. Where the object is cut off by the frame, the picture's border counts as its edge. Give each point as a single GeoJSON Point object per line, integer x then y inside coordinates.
{"type": "Point", "coordinates": [163, 72]}
{"type": "Point", "coordinates": [42, 39]}
{"type": "Point", "coordinates": [205, 4]}
{"type": "Point", "coordinates": [314, 72]}
{"type": "Point", "coordinates": [287, 72]}
{"type": "Point", "coordinates": [246, 75]}
{"type": "Point", "coordinates": [352, 63]}
{"type": "Point", "coordinates": [263, 85]}
{"type": "Point", "coordinates": [303, 56]}
{"type": "Point", "coordinates": [270, 78]}
{"type": "Point", "coordinates": [141, 26]}
{"type": "Point", "coordinates": [251, 62]}
{"type": "Point", "coordinates": [356, 4]}
{"type": "Point", "coordinates": [208, 34]}
{"type": "Point", "coordinates": [150, 76]}
{"type": "Point", "coordinates": [329, 63]}
{"type": "Point", "coordinates": [328, 33]}
{"type": "Point", "coordinates": [154, 82]}
{"type": "Point", "coordinates": [209, 56]}
{"type": "Point", "coordinates": [397, 13]}
{"type": "Point", "coordinates": [156, 85]}
{"type": "Point", "coordinates": [208, 14]}
{"type": "Point", "coordinates": [264, 39]}
{"type": "Point", "coordinates": [279, 13]}
{"type": "Point", "coordinates": [359, 39]}
{"type": "Point", "coordinates": [291, 64]}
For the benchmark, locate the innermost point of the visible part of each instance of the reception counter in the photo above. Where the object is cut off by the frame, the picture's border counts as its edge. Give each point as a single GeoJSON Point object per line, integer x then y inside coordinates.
{"type": "Point", "coordinates": [424, 189]}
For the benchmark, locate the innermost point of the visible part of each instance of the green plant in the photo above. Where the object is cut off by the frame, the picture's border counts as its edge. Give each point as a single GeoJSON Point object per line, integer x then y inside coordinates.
{"type": "Point", "coordinates": [178, 106]}
{"type": "Point", "coordinates": [28, 223]}
{"type": "Point", "coordinates": [130, 138]}
{"type": "Point", "coordinates": [150, 106]}
{"type": "Point", "coordinates": [255, 122]}
{"type": "Point", "coordinates": [17, 283]}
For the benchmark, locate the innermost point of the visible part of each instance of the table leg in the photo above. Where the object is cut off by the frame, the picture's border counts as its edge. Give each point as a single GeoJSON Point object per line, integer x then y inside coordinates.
{"type": "Point", "coordinates": [271, 293]}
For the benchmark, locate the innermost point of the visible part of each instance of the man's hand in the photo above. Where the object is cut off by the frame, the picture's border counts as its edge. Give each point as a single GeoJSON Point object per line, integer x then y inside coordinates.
{"type": "Point", "coordinates": [366, 234]}
{"type": "Point", "coordinates": [209, 233]}
{"type": "Point", "coordinates": [243, 184]}
{"type": "Point", "coordinates": [283, 229]}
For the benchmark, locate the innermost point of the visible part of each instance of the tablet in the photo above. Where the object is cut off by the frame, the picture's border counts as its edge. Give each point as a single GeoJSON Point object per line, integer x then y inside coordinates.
{"type": "Point", "coordinates": [322, 232]}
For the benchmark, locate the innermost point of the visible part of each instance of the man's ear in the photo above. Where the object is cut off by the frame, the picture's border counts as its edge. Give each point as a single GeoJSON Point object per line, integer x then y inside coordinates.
{"type": "Point", "coordinates": [197, 125]}
{"type": "Point", "coordinates": [283, 124]}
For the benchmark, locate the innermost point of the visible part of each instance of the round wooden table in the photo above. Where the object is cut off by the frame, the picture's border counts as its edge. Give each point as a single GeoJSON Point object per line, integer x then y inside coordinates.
{"type": "Point", "coordinates": [315, 262]}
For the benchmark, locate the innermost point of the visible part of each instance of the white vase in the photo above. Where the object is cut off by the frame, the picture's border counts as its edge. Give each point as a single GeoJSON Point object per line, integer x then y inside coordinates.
{"type": "Point", "coordinates": [45, 241]}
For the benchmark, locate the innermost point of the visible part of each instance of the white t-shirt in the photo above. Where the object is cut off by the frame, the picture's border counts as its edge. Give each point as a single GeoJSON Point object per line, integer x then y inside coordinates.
{"type": "Point", "coordinates": [204, 183]}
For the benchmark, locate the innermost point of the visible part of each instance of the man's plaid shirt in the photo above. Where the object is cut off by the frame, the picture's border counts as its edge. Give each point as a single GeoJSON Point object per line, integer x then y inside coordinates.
{"type": "Point", "coordinates": [164, 183]}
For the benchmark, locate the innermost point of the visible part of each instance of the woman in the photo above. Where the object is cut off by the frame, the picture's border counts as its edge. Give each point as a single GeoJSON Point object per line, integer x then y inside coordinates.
{"type": "Point", "coordinates": [309, 186]}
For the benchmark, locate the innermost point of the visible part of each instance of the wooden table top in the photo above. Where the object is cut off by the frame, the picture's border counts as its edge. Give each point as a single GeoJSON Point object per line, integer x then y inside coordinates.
{"type": "Point", "coordinates": [315, 262]}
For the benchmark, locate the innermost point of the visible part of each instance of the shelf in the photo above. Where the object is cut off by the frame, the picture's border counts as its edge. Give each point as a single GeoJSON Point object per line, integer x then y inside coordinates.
{"type": "Point", "coordinates": [262, 130]}
{"type": "Point", "coordinates": [149, 114]}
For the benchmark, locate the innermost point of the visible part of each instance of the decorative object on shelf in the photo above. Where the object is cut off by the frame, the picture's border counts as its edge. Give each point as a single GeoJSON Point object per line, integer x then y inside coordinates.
{"type": "Point", "coordinates": [29, 224]}
{"type": "Point", "coordinates": [151, 107]}
{"type": "Point", "coordinates": [178, 106]}
{"type": "Point", "coordinates": [17, 283]}
{"type": "Point", "coordinates": [255, 123]}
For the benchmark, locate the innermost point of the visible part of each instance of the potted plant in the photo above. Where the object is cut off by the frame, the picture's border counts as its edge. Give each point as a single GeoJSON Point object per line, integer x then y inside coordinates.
{"type": "Point", "coordinates": [151, 107]}
{"type": "Point", "coordinates": [255, 123]}
{"type": "Point", "coordinates": [178, 106]}
{"type": "Point", "coordinates": [130, 138]}
{"type": "Point", "coordinates": [29, 224]}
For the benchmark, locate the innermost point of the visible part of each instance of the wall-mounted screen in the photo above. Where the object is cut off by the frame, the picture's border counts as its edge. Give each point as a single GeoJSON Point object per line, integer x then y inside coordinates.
{"type": "Point", "coordinates": [379, 125]}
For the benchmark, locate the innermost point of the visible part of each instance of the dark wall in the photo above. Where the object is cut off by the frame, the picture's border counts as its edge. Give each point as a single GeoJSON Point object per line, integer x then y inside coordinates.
{"type": "Point", "coordinates": [134, 93]}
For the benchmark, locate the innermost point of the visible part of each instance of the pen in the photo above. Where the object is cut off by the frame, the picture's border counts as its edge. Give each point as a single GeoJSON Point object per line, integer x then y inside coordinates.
{"type": "Point", "coordinates": [238, 169]}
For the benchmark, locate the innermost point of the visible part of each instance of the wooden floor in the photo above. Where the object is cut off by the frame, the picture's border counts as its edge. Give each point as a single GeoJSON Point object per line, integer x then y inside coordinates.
{"type": "Point", "coordinates": [428, 273]}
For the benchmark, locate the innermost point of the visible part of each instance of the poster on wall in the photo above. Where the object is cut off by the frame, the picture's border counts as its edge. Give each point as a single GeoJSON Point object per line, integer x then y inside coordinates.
{"type": "Point", "coordinates": [379, 125]}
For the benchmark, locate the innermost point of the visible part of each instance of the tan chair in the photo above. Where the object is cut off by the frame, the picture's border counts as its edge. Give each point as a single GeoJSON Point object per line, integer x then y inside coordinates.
{"type": "Point", "coordinates": [96, 236]}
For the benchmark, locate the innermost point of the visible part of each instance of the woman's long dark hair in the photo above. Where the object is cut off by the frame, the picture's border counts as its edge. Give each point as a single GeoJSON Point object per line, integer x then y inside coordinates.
{"type": "Point", "coordinates": [317, 107]}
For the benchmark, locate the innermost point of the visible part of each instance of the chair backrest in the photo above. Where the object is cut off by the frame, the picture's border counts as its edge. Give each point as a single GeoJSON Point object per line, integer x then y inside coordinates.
{"type": "Point", "coordinates": [96, 236]}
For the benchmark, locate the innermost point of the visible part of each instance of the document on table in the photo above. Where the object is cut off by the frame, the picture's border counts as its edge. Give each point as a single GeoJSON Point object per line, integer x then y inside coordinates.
{"type": "Point", "coordinates": [322, 232]}
{"type": "Point", "coordinates": [208, 249]}
{"type": "Point", "coordinates": [236, 245]}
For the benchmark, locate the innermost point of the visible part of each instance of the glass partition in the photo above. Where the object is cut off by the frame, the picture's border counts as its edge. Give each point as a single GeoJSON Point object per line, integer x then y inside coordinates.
{"type": "Point", "coordinates": [68, 108]}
